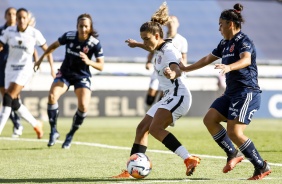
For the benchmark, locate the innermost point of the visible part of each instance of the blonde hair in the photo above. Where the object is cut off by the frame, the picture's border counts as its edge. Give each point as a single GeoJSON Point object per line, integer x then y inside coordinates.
{"type": "Point", "coordinates": [32, 20]}
{"type": "Point", "coordinates": [158, 19]}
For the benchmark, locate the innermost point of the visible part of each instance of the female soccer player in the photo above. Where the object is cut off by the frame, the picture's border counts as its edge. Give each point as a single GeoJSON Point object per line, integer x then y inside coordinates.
{"type": "Point", "coordinates": [177, 98]}
{"type": "Point", "coordinates": [179, 42]}
{"type": "Point", "coordinates": [21, 40]}
{"type": "Point", "coordinates": [241, 97]}
{"type": "Point", "coordinates": [10, 17]}
{"type": "Point", "coordinates": [81, 45]}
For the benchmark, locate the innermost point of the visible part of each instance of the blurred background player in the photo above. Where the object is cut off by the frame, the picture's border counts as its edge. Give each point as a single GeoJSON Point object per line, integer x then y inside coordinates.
{"type": "Point", "coordinates": [154, 93]}
{"type": "Point", "coordinates": [242, 96]}
{"type": "Point", "coordinates": [21, 39]}
{"type": "Point", "coordinates": [81, 45]}
{"type": "Point", "coordinates": [10, 17]}
{"type": "Point", "coordinates": [177, 97]}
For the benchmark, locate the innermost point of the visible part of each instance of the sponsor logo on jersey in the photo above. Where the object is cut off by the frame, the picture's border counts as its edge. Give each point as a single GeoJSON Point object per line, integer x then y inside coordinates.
{"type": "Point", "coordinates": [239, 37]}
{"type": "Point", "coordinates": [71, 45]}
{"type": "Point", "coordinates": [246, 45]}
{"type": "Point", "coordinates": [73, 53]}
{"type": "Point", "coordinates": [78, 47]}
{"type": "Point", "coordinates": [20, 42]}
{"type": "Point", "coordinates": [228, 55]}
{"type": "Point", "coordinates": [235, 104]}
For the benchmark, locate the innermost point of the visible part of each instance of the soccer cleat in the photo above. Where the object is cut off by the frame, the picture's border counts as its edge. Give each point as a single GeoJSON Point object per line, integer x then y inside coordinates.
{"type": "Point", "coordinates": [38, 129]}
{"type": "Point", "coordinates": [260, 173]}
{"type": "Point", "coordinates": [191, 164]}
{"type": "Point", "coordinates": [232, 161]}
{"type": "Point", "coordinates": [17, 132]}
{"type": "Point", "coordinates": [52, 139]}
{"type": "Point", "coordinates": [67, 143]}
{"type": "Point", "coordinates": [124, 174]}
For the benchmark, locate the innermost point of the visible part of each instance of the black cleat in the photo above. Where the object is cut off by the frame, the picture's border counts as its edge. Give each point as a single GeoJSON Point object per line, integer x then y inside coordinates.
{"type": "Point", "coordinates": [67, 143]}
{"type": "Point", "coordinates": [52, 139]}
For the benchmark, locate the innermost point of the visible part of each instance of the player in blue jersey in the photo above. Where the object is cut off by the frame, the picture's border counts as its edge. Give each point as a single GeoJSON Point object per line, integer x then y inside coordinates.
{"type": "Point", "coordinates": [177, 98]}
{"type": "Point", "coordinates": [242, 95]}
{"type": "Point", "coordinates": [80, 46]}
{"type": "Point", "coordinates": [10, 17]}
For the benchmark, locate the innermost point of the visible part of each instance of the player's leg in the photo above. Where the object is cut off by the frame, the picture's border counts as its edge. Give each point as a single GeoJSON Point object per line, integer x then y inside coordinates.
{"type": "Point", "coordinates": [216, 114]}
{"type": "Point", "coordinates": [58, 88]}
{"type": "Point", "coordinates": [83, 95]}
{"type": "Point", "coordinates": [235, 128]}
{"type": "Point", "coordinates": [152, 91]}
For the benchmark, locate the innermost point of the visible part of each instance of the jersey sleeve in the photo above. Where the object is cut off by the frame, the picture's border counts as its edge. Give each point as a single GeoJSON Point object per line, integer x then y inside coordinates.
{"type": "Point", "coordinates": [184, 48]}
{"type": "Point", "coordinates": [63, 39]}
{"type": "Point", "coordinates": [98, 51]}
{"type": "Point", "coordinates": [40, 40]}
{"type": "Point", "coordinates": [217, 52]}
{"type": "Point", "coordinates": [246, 46]}
{"type": "Point", "coordinates": [4, 36]}
{"type": "Point", "coordinates": [171, 58]}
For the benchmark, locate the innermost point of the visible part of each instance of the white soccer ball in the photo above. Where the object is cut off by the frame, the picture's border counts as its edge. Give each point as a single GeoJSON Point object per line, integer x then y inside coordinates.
{"type": "Point", "coordinates": [139, 165]}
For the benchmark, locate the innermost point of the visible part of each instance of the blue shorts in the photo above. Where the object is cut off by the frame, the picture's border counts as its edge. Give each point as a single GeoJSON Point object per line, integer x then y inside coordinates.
{"type": "Point", "coordinates": [242, 106]}
{"type": "Point", "coordinates": [77, 83]}
{"type": "Point", "coordinates": [2, 76]}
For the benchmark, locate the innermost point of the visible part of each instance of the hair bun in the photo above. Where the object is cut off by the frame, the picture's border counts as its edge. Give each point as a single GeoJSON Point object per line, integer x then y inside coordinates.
{"type": "Point", "coordinates": [238, 7]}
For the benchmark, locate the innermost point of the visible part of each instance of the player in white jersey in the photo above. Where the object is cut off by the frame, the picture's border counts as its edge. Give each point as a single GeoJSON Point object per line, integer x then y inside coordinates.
{"type": "Point", "coordinates": [181, 44]}
{"type": "Point", "coordinates": [177, 98]}
{"type": "Point", "coordinates": [21, 39]}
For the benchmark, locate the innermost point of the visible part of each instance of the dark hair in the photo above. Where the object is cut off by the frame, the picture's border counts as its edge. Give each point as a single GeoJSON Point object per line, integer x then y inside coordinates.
{"type": "Point", "coordinates": [22, 9]}
{"type": "Point", "coordinates": [159, 19]}
{"type": "Point", "coordinates": [234, 15]}
{"type": "Point", "coordinates": [8, 9]}
{"type": "Point", "coordinates": [93, 32]}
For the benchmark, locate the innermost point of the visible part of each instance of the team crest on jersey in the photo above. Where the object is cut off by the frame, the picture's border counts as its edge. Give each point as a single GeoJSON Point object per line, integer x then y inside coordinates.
{"type": "Point", "coordinates": [232, 47]}
{"type": "Point", "coordinates": [20, 42]}
{"type": "Point", "coordinates": [159, 60]}
{"type": "Point", "coordinates": [85, 49]}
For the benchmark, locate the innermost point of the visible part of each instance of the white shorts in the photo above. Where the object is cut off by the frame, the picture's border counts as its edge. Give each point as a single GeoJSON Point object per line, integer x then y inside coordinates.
{"type": "Point", "coordinates": [154, 82]}
{"type": "Point", "coordinates": [20, 77]}
{"type": "Point", "coordinates": [177, 105]}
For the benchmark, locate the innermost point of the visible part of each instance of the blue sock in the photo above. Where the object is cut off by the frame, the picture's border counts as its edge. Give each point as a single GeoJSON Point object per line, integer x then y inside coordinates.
{"type": "Point", "coordinates": [222, 139]}
{"type": "Point", "coordinates": [251, 153]}
{"type": "Point", "coordinates": [77, 121]}
{"type": "Point", "coordinates": [53, 113]}
{"type": "Point", "coordinates": [15, 119]}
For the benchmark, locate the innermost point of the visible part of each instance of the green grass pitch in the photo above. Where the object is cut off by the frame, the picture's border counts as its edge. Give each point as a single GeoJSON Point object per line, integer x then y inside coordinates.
{"type": "Point", "coordinates": [101, 148]}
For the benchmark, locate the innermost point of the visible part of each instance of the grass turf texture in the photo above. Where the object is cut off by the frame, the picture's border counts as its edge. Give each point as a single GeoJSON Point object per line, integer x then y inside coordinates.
{"type": "Point", "coordinates": [27, 160]}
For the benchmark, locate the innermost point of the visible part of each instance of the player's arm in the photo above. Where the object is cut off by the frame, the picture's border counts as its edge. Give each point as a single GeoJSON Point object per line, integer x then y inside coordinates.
{"type": "Point", "coordinates": [149, 60]}
{"type": "Point", "coordinates": [133, 43]}
{"type": "Point", "coordinates": [243, 62]}
{"type": "Point", "coordinates": [47, 52]}
{"type": "Point", "coordinates": [35, 55]}
{"type": "Point", "coordinates": [199, 64]}
{"type": "Point", "coordinates": [172, 72]}
{"type": "Point", "coordinates": [98, 64]}
{"type": "Point", "coordinates": [184, 58]}
{"type": "Point", "coordinates": [1, 46]}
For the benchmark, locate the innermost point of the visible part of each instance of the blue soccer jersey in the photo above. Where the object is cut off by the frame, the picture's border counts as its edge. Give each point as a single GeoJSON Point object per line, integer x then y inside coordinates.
{"type": "Point", "coordinates": [73, 67]}
{"type": "Point", "coordinates": [3, 57]}
{"type": "Point", "coordinates": [244, 79]}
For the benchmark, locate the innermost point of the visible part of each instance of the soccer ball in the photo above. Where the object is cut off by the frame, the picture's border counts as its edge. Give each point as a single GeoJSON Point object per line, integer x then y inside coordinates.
{"type": "Point", "coordinates": [139, 165]}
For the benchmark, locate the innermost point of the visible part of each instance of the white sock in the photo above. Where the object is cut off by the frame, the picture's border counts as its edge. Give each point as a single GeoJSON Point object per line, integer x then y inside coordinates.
{"type": "Point", "coordinates": [182, 152]}
{"type": "Point", "coordinates": [5, 114]}
{"type": "Point", "coordinates": [25, 114]}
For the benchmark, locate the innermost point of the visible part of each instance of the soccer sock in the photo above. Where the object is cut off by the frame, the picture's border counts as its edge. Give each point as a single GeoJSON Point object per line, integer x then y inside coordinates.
{"type": "Point", "coordinates": [251, 153]}
{"type": "Point", "coordinates": [6, 110]}
{"type": "Point", "coordinates": [182, 152]}
{"type": "Point", "coordinates": [138, 148]}
{"type": "Point", "coordinates": [222, 139]}
{"type": "Point", "coordinates": [25, 114]}
{"type": "Point", "coordinates": [77, 121]}
{"type": "Point", "coordinates": [15, 119]}
{"type": "Point", "coordinates": [53, 113]}
{"type": "Point", "coordinates": [171, 142]}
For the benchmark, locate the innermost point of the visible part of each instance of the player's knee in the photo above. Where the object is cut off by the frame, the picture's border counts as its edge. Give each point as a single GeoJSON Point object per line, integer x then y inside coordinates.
{"type": "Point", "coordinates": [52, 98]}
{"type": "Point", "coordinates": [16, 104]}
{"type": "Point", "coordinates": [7, 100]}
{"type": "Point", "coordinates": [150, 100]}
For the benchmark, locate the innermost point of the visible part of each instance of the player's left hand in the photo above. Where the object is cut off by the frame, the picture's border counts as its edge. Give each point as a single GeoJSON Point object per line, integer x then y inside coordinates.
{"type": "Point", "coordinates": [224, 68]}
{"type": "Point", "coordinates": [167, 72]}
{"type": "Point", "coordinates": [131, 43]}
{"type": "Point", "coordinates": [84, 58]}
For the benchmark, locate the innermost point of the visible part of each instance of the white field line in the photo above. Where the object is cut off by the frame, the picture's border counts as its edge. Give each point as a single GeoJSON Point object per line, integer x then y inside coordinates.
{"type": "Point", "coordinates": [118, 148]}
